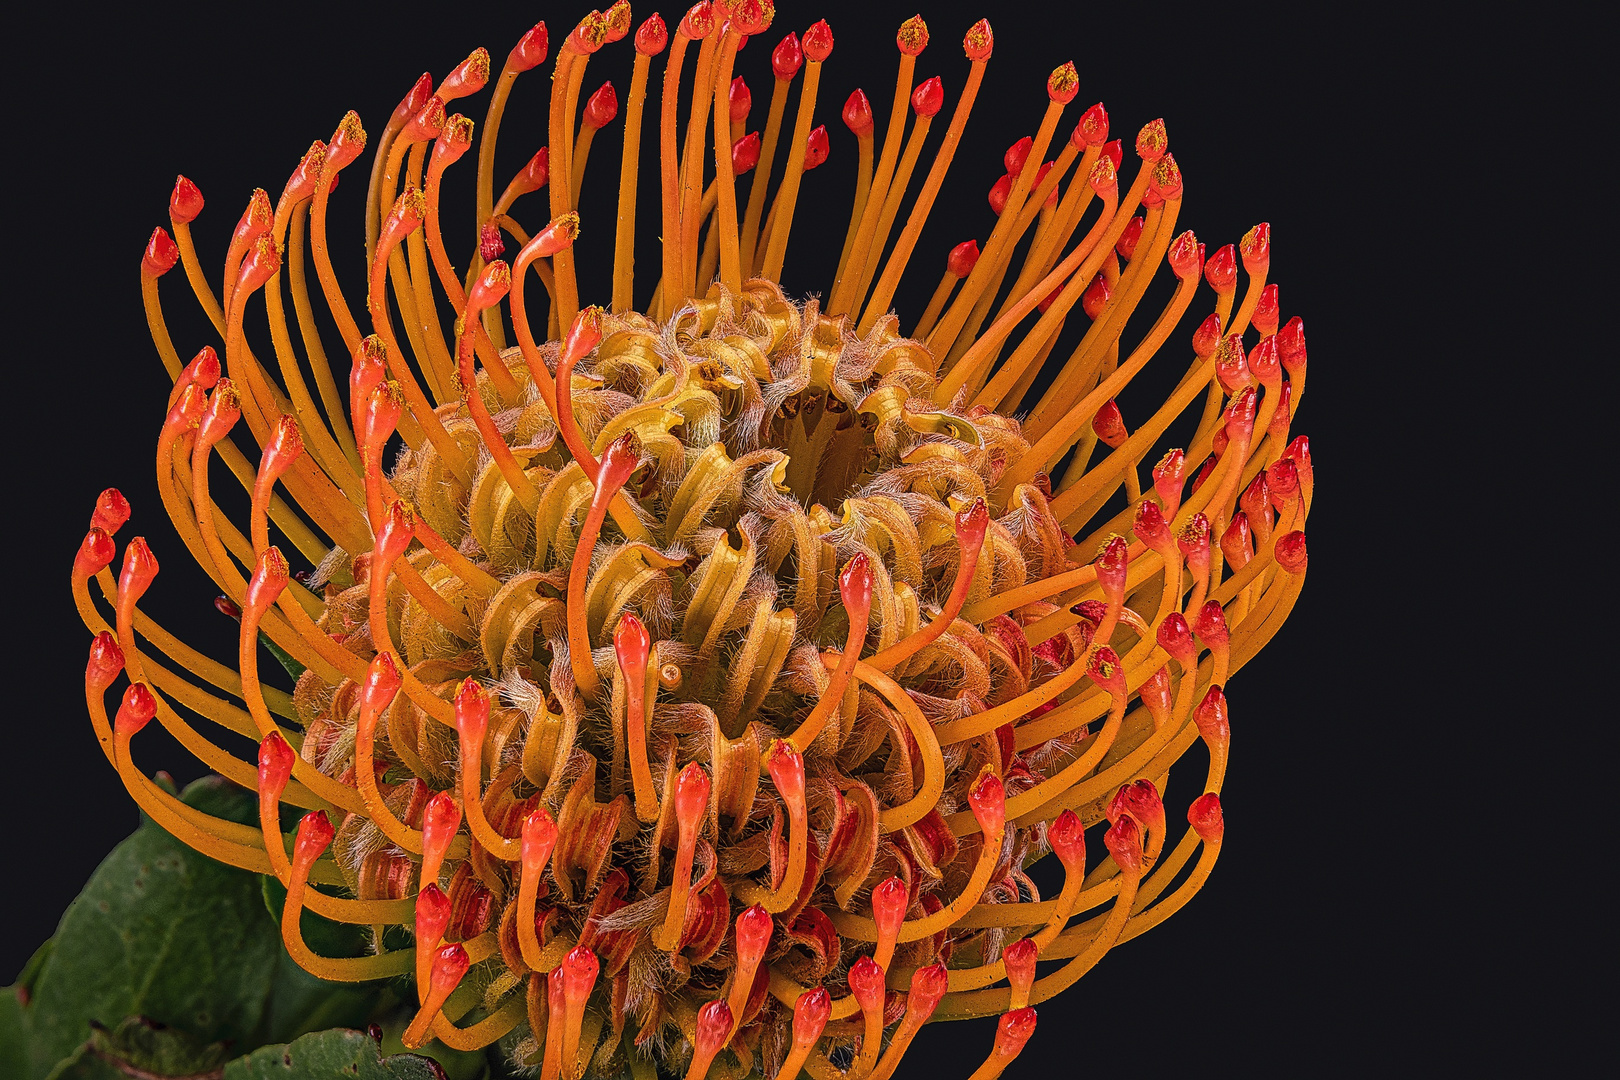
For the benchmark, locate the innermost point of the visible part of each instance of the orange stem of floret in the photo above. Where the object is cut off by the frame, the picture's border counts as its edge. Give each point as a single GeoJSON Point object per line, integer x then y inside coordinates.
{"type": "Point", "coordinates": [621, 459]}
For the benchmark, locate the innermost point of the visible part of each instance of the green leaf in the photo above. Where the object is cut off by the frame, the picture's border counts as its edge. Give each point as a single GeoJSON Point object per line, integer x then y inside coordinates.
{"type": "Point", "coordinates": [13, 1034]}
{"type": "Point", "coordinates": [330, 1055]}
{"type": "Point", "coordinates": [160, 931]}
{"type": "Point", "coordinates": [140, 1047]}
{"type": "Point", "coordinates": [294, 668]}
{"type": "Point", "coordinates": [300, 1002]}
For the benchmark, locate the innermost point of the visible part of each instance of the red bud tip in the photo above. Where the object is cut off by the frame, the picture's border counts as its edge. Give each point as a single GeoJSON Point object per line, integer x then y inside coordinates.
{"type": "Point", "coordinates": [432, 914]}
{"type": "Point", "coordinates": [866, 983]}
{"type": "Point", "coordinates": [713, 1025]}
{"type": "Point", "coordinates": [228, 608]}
{"type": "Point", "coordinates": [1149, 525]}
{"type": "Point", "coordinates": [818, 42]}
{"type": "Point", "coordinates": [160, 255]}
{"type": "Point", "coordinates": [787, 58]}
{"type": "Point", "coordinates": [1110, 425]}
{"type": "Point", "coordinates": [1000, 192]}
{"type": "Point", "coordinates": [1263, 363]}
{"type": "Point", "coordinates": [301, 185]}
{"type": "Point", "coordinates": [186, 201]}
{"type": "Point", "coordinates": [855, 584]}
{"type": "Point", "coordinates": [203, 371]}
{"type": "Point", "coordinates": [580, 968]}
{"type": "Point", "coordinates": [1175, 638]}
{"type": "Point", "coordinates": [1211, 626]}
{"type": "Point", "coordinates": [745, 154]}
{"type": "Point", "coordinates": [426, 124]}
{"type": "Point", "coordinates": [691, 796]}
{"type": "Point", "coordinates": [889, 902]}
{"type": "Point", "coordinates": [490, 244]}
{"type": "Point", "coordinates": [602, 107]}
{"type": "Point", "coordinates": [1067, 835]}
{"type": "Point", "coordinates": [381, 683]}
{"type": "Point", "coordinates": [1211, 717]}
{"type": "Point", "coordinates": [315, 834]}
{"type": "Point", "coordinates": [1235, 543]}
{"type": "Point", "coordinates": [740, 100]}
{"type": "Point", "coordinates": [392, 539]}
{"type": "Point", "coordinates": [858, 114]}
{"type": "Point", "coordinates": [269, 579]}
{"type": "Point", "coordinates": [136, 710]}
{"type": "Point", "coordinates": [988, 801]}
{"type": "Point", "coordinates": [275, 763]}
{"type": "Point", "coordinates": [450, 965]}
{"type": "Point", "coordinates": [1095, 299]}
{"type": "Point", "coordinates": [1017, 155]}
{"type": "Point", "coordinates": [112, 509]}
{"type": "Point", "coordinates": [928, 986]}
{"type": "Point", "coordinates": [539, 837]}
{"type": "Point", "coordinates": [959, 263]}
{"type": "Point", "coordinates": [1291, 345]}
{"type": "Point", "coordinates": [1092, 130]}
{"type": "Point", "coordinates": [1126, 245]}
{"type": "Point", "coordinates": [1140, 800]}
{"type": "Point", "coordinates": [1063, 84]}
{"type": "Point", "coordinates": [106, 661]}
{"type": "Point", "coordinates": [979, 41]}
{"type": "Point", "coordinates": [753, 929]}
{"type": "Point", "coordinates": [1204, 815]}
{"type": "Point", "coordinates": [140, 567]}
{"type": "Point", "coordinates": [536, 173]}
{"type": "Point", "coordinates": [652, 36]}
{"type": "Point", "coordinates": [810, 1014]}
{"type": "Point", "coordinates": [441, 817]}
{"type": "Point", "coordinates": [531, 49]}
{"type": "Point", "coordinates": [1256, 249]}
{"type": "Point", "coordinates": [1265, 316]}
{"type": "Point", "coordinates": [631, 643]}
{"type": "Point", "coordinates": [1167, 480]}
{"type": "Point", "coordinates": [472, 711]}
{"type": "Point", "coordinates": [1124, 842]}
{"type": "Point", "coordinates": [1019, 960]}
{"type": "Point", "coordinates": [786, 766]}
{"type": "Point", "coordinates": [1290, 553]}
{"type": "Point", "coordinates": [1208, 337]}
{"type": "Point", "coordinates": [1221, 270]}
{"type": "Point", "coordinates": [816, 147]}
{"type": "Point", "coordinates": [698, 22]}
{"type": "Point", "coordinates": [1013, 1030]}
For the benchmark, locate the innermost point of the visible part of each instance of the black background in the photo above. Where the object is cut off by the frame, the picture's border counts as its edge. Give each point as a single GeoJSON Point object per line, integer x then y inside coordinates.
{"type": "Point", "coordinates": [1344, 924]}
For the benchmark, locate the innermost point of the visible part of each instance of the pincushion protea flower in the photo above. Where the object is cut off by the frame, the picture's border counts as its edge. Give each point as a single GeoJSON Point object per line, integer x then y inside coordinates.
{"type": "Point", "coordinates": [695, 686]}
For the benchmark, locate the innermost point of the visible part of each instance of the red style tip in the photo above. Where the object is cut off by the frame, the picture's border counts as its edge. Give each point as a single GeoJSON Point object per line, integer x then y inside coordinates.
{"type": "Point", "coordinates": [889, 902]}
{"type": "Point", "coordinates": [1291, 345]}
{"type": "Point", "coordinates": [713, 1025]}
{"type": "Point", "coordinates": [818, 42]}
{"type": "Point", "coordinates": [652, 36]}
{"type": "Point", "coordinates": [1256, 249]}
{"type": "Point", "coordinates": [1193, 539]}
{"type": "Point", "coordinates": [1211, 625]}
{"type": "Point", "coordinates": [441, 817]}
{"type": "Point", "coordinates": [315, 835]}
{"type": "Point", "coordinates": [1019, 960]}
{"type": "Point", "coordinates": [741, 100]}
{"type": "Point", "coordinates": [754, 927]}
{"type": "Point", "coordinates": [959, 263]}
{"type": "Point", "coordinates": [347, 143]}
{"type": "Point", "coordinates": [185, 202]}
{"type": "Point", "coordinates": [454, 141]}
{"type": "Point", "coordinates": [1175, 638]}
{"type": "Point", "coordinates": [1152, 141]}
{"type": "Point", "coordinates": [1107, 671]}
{"type": "Point", "coordinates": [631, 643]}
{"type": "Point", "coordinates": [752, 17]}
{"type": "Point", "coordinates": [1000, 192]}
{"type": "Point", "coordinates": [928, 98]}
{"type": "Point", "coordinates": [1124, 842]}
{"type": "Point", "coordinates": [1111, 563]}
{"type": "Point", "coordinates": [1092, 130]}
{"type": "Point", "coordinates": [472, 711]}
{"type": "Point", "coordinates": [1232, 366]}
{"type": "Point", "coordinates": [1240, 416]}
{"type": "Point", "coordinates": [979, 41]}
{"type": "Point", "coordinates": [1291, 555]}
{"type": "Point", "coordinates": [1221, 270]}
{"type": "Point", "coordinates": [106, 661]}
{"type": "Point", "coordinates": [1186, 256]}
{"type": "Point", "coordinates": [469, 77]}
{"type": "Point", "coordinates": [112, 509]}
{"type": "Point", "coordinates": [1211, 717]}
{"type": "Point", "coordinates": [1282, 480]}
{"type": "Point", "coordinates": [1067, 835]}
{"type": "Point", "coordinates": [787, 58]}
{"type": "Point", "coordinates": [584, 335]}
{"type": "Point", "coordinates": [810, 1014]}
{"type": "Point", "coordinates": [269, 578]}
{"type": "Point", "coordinates": [1204, 815]}
{"type": "Point", "coordinates": [1266, 314]}
{"type": "Point", "coordinates": [433, 909]}
{"type": "Point", "coordinates": [1126, 246]}
{"type": "Point", "coordinates": [1207, 338]}
{"type": "Point", "coordinates": [450, 965]}
{"type": "Point", "coordinates": [539, 837]}
{"type": "Point", "coordinates": [532, 48]}
{"type": "Point", "coordinates": [301, 185]}
{"type": "Point", "coordinates": [786, 766]}
{"type": "Point", "coordinates": [1139, 799]}
{"type": "Point", "coordinates": [855, 584]}
{"type": "Point", "coordinates": [745, 154]}
{"type": "Point", "coordinates": [858, 114]}
{"type": "Point", "coordinates": [1095, 299]}
{"type": "Point", "coordinates": [1157, 694]}
{"type": "Point", "coordinates": [1013, 1030]}
{"type": "Point", "coordinates": [224, 407]}
{"type": "Point", "coordinates": [617, 20]}
{"type": "Point", "coordinates": [393, 538]}
{"type": "Point", "coordinates": [383, 407]}
{"type": "Point", "coordinates": [140, 567]}
{"type": "Point", "coordinates": [259, 266]}
{"type": "Point", "coordinates": [972, 522]}
{"type": "Point", "coordinates": [691, 796]}
{"type": "Point", "coordinates": [1150, 527]}
{"type": "Point", "coordinates": [602, 107]}
{"type": "Point", "coordinates": [988, 801]}
{"type": "Point", "coordinates": [928, 986]}
{"type": "Point", "coordinates": [1104, 175]}
{"type": "Point", "coordinates": [95, 552]}
{"type": "Point", "coordinates": [491, 246]}
{"type": "Point", "coordinates": [1166, 178]}
{"type": "Point", "coordinates": [426, 124]}
{"type": "Point", "coordinates": [698, 23]}
{"type": "Point", "coordinates": [1167, 479]}
{"type": "Point", "coordinates": [492, 285]}
{"type": "Point", "coordinates": [160, 255]}
{"type": "Point", "coordinates": [866, 983]}
{"type": "Point", "coordinates": [275, 763]}
{"type": "Point", "coordinates": [284, 447]}
{"type": "Point", "coordinates": [621, 458]}
{"type": "Point", "coordinates": [381, 683]}
{"type": "Point", "coordinates": [580, 968]}
{"type": "Point", "coordinates": [1063, 84]}
{"type": "Point", "coordinates": [136, 710]}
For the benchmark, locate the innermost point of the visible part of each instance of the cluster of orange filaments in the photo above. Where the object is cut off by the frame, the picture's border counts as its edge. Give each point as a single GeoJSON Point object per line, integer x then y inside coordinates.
{"type": "Point", "coordinates": [696, 686]}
